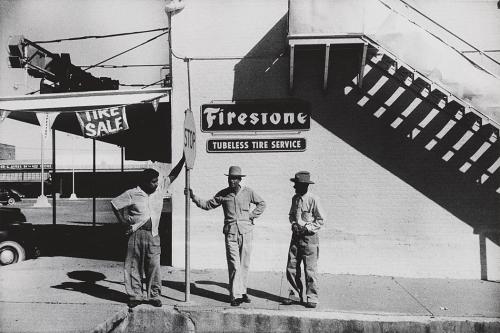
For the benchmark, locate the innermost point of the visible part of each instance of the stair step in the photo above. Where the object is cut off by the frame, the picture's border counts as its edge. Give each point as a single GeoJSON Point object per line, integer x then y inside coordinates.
{"type": "Point", "coordinates": [405, 75]}
{"type": "Point", "coordinates": [466, 154]}
{"type": "Point", "coordinates": [421, 86]}
{"type": "Point", "coordinates": [438, 97]}
{"type": "Point", "coordinates": [493, 182]}
{"type": "Point", "coordinates": [454, 109]}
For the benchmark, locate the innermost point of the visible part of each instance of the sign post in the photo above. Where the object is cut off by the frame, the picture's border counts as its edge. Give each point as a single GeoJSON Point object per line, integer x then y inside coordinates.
{"type": "Point", "coordinates": [190, 155]}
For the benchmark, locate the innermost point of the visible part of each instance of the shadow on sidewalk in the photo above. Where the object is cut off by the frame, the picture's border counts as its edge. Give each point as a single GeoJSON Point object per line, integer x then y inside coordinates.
{"type": "Point", "coordinates": [88, 285]}
{"type": "Point", "coordinates": [251, 292]}
{"type": "Point", "coordinates": [181, 286]}
{"type": "Point", "coordinates": [206, 293]}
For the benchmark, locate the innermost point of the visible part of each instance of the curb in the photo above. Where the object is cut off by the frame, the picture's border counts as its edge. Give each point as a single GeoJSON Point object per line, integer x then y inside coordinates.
{"type": "Point", "coordinates": [117, 323]}
{"type": "Point", "coordinates": [197, 319]}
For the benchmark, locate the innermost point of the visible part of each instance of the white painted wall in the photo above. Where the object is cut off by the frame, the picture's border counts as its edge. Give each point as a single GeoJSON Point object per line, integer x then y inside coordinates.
{"type": "Point", "coordinates": [377, 223]}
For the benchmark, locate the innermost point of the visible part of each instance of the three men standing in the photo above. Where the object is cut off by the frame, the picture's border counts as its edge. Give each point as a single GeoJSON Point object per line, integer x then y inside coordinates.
{"type": "Point", "coordinates": [139, 210]}
{"type": "Point", "coordinates": [238, 229]}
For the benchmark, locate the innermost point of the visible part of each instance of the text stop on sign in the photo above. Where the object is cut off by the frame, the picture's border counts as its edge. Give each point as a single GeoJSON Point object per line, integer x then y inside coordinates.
{"type": "Point", "coordinates": [189, 139]}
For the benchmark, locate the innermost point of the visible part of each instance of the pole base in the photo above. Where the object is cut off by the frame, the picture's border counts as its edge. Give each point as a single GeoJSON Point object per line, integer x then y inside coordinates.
{"type": "Point", "coordinates": [42, 202]}
{"type": "Point", "coordinates": [73, 197]}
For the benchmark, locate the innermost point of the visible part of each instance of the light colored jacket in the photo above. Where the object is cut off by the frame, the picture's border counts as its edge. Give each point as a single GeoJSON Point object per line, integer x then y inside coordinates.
{"type": "Point", "coordinates": [306, 211]}
{"type": "Point", "coordinates": [237, 214]}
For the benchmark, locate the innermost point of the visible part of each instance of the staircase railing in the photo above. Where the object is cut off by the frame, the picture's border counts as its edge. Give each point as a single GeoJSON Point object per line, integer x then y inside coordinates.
{"type": "Point", "coordinates": [449, 38]}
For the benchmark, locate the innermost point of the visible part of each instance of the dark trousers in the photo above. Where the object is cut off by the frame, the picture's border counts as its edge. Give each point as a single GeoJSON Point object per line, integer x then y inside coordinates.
{"type": "Point", "coordinates": [303, 249]}
{"type": "Point", "coordinates": [143, 259]}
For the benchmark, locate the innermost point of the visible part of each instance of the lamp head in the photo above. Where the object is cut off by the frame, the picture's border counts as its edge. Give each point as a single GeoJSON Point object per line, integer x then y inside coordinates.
{"type": "Point", "coordinates": [174, 6]}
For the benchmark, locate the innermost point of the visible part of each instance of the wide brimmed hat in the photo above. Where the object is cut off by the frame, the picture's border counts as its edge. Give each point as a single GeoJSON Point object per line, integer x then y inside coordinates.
{"type": "Point", "coordinates": [235, 171]}
{"type": "Point", "coordinates": [302, 177]}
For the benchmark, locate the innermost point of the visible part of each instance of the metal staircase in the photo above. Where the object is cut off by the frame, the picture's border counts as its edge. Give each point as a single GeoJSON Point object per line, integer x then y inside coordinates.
{"type": "Point", "coordinates": [430, 116]}
{"type": "Point", "coordinates": [424, 112]}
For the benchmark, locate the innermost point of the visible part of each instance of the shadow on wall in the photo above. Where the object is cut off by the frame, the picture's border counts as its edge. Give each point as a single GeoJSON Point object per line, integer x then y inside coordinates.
{"type": "Point", "coordinates": [263, 73]}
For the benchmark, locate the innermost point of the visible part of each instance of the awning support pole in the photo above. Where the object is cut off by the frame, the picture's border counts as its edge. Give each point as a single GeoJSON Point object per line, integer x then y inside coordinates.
{"type": "Point", "coordinates": [292, 56]}
{"type": "Point", "coordinates": [327, 62]}
{"type": "Point", "coordinates": [54, 216]}
{"type": "Point", "coordinates": [362, 68]}
{"type": "Point", "coordinates": [93, 180]}
{"type": "Point", "coordinates": [42, 158]}
{"type": "Point", "coordinates": [122, 165]}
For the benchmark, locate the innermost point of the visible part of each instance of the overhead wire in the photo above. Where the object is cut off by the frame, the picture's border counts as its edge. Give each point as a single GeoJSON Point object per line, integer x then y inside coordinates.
{"type": "Point", "coordinates": [126, 65]}
{"type": "Point", "coordinates": [99, 36]}
{"type": "Point", "coordinates": [152, 84]}
{"type": "Point", "coordinates": [115, 56]}
{"type": "Point", "coordinates": [127, 50]}
{"type": "Point", "coordinates": [139, 84]}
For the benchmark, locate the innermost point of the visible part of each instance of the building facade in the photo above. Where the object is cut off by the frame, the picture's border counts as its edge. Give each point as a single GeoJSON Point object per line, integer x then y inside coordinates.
{"type": "Point", "coordinates": [7, 152]}
{"type": "Point", "coordinates": [406, 192]}
{"type": "Point", "coordinates": [393, 206]}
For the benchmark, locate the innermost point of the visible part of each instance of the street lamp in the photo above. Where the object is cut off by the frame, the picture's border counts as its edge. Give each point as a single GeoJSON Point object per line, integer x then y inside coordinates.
{"type": "Point", "coordinates": [173, 6]}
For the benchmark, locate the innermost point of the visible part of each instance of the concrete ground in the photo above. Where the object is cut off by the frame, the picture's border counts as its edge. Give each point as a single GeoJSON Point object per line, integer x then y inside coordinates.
{"type": "Point", "coordinates": [77, 286]}
{"type": "Point", "coordinates": [64, 294]}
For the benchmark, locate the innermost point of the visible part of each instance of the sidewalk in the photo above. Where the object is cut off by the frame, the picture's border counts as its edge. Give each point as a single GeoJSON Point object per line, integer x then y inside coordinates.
{"type": "Point", "coordinates": [62, 294]}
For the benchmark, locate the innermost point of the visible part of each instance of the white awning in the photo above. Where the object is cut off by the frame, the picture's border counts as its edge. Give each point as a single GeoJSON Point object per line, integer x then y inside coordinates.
{"type": "Point", "coordinates": [79, 101]}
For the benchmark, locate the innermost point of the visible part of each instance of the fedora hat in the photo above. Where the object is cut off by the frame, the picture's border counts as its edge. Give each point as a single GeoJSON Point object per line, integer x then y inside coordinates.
{"type": "Point", "coordinates": [302, 177]}
{"type": "Point", "coordinates": [235, 171]}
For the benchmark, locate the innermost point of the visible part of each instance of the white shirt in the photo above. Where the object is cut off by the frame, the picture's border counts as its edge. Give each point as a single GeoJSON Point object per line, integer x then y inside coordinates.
{"type": "Point", "coordinates": [306, 211]}
{"type": "Point", "coordinates": [140, 207]}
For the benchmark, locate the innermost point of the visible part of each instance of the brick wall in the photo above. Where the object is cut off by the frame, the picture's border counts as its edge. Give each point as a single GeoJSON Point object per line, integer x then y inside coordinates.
{"type": "Point", "coordinates": [389, 210]}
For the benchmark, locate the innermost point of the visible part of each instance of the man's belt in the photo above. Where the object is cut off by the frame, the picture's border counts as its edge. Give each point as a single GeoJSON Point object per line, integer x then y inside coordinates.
{"type": "Point", "coordinates": [148, 226]}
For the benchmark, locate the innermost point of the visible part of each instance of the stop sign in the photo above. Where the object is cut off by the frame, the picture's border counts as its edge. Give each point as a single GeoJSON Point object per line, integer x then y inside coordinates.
{"type": "Point", "coordinates": [189, 139]}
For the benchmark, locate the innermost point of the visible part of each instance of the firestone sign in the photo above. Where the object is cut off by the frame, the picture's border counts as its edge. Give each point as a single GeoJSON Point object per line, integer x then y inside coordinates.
{"type": "Point", "coordinates": [261, 115]}
{"type": "Point", "coordinates": [256, 145]}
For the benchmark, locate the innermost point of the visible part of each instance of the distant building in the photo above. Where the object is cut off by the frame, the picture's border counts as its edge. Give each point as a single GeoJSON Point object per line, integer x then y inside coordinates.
{"type": "Point", "coordinates": [7, 152]}
{"type": "Point", "coordinates": [108, 180]}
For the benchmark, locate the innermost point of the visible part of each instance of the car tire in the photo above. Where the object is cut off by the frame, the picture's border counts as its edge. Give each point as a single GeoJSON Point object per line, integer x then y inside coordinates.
{"type": "Point", "coordinates": [11, 252]}
{"type": "Point", "coordinates": [11, 201]}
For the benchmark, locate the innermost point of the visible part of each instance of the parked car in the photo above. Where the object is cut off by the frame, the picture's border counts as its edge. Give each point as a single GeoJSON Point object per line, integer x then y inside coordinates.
{"type": "Point", "coordinates": [9, 196]}
{"type": "Point", "coordinates": [17, 237]}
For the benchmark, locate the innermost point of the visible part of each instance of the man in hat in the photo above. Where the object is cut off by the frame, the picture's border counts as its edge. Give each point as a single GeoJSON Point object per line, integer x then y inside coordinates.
{"type": "Point", "coordinates": [238, 229]}
{"type": "Point", "coordinates": [139, 210]}
{"type": "Point", "coordinates": [306, 217]}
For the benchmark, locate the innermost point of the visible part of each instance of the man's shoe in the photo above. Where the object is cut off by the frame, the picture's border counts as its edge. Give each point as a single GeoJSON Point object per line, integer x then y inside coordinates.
{"type": "Point", "coordinates": [246, 299]}
{"type": "Point", "coordinates": [133, 303]}
{"type": "Point", "coordinates": [310, 305]}
{"type": "Point", "coordinates": [155, 302]}
{"type": "Point", "coordinates": [236, 301]}
{"type": "Point", "coordinates": [287, 301]}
